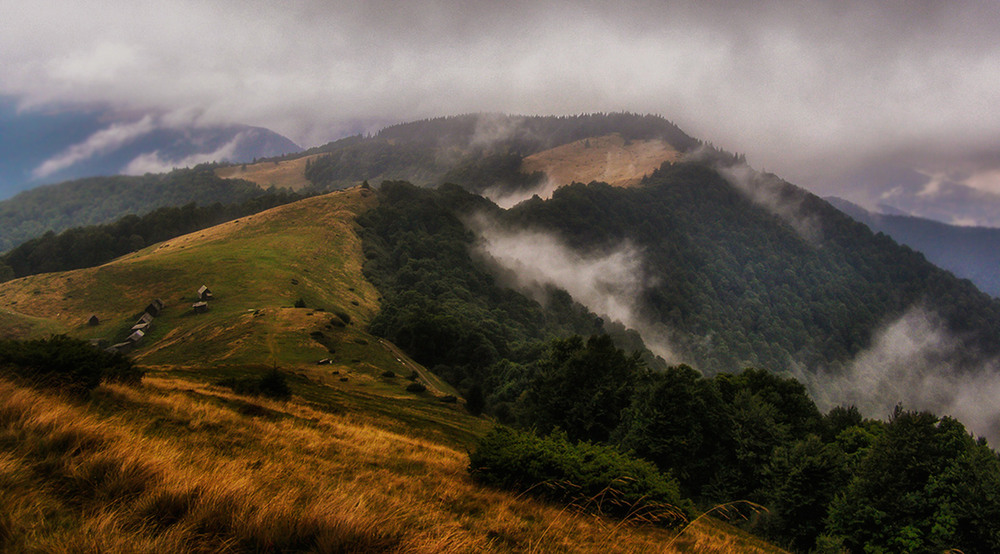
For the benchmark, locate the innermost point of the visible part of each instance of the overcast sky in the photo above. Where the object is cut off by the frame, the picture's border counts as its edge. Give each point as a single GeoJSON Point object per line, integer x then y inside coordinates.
{"type": "Point", "coordinates": [803, 88]}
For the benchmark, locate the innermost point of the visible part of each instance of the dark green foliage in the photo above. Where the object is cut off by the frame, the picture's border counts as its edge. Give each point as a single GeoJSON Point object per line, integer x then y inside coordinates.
{"type": "Point", "coordinates": [300, 303]}
{"type": "Point", "coordinates": [65, 363]}
{"type": "Point", "coordinates": [594, 477]}
{"type": "Point", "coordinates": [765, 294]}
{"type": "Point", "coordinates": [580, 389]}
{"type": "Point", "coordinates": [272, 384]}
{"type": "Point", "coordinates": [798, 484]}
{"type": "Point", "coordinates": [677, 420]}
{"type": "Point", "coordinates": [90, 246]}
{"type": "Point", "coordinates": [925, 486]}
{"type": "Point", "coordinates": [439, 305]}
{"type": "Point", "coordinates": [73, 203]}
{"type": "Point", "coordinates": [416, 387]}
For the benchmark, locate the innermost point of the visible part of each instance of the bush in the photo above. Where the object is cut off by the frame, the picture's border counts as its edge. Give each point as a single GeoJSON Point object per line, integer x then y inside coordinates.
{"type": "Point", "coordinates": [589, 476]}
{"type": "Point", "coordinates": [415, 387]}
{"type": "Point", "coordinates": [272, 384]}
{"type": "Point", "coordinates": [65, 363]}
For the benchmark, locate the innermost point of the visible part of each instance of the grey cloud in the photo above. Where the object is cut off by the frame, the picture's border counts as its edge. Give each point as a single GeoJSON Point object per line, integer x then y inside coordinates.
{"type": "Point", "coordinates": [807, 90]}
{"type": "Point", "coordinates": [912, 362]}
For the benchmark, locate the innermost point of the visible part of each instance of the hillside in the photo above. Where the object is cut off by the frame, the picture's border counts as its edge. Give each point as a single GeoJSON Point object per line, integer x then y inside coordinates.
{"type": "Point", "coordinates": [96, 200]}
{"type": "Point", "coordinates": [184, 464]}
{"type": "Point", "coordinates": [971, 253]}
{"type": "Point", "coordinates": [610, 159]}
{"type": "Point", "coordinates": [283, 173]}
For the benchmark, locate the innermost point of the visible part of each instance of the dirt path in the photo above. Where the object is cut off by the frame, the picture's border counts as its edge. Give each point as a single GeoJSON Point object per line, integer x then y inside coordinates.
{"type": "Point", "coordinates": [431, 381]}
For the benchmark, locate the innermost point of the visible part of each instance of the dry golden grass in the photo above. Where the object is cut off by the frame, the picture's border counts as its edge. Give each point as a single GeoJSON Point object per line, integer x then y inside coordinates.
{"type": "Point", "coordinates": [606, 159]}
{"type": "Point", "coordinates": [175, 466]}
{"type": "Point", "coordinates": [289, 174]}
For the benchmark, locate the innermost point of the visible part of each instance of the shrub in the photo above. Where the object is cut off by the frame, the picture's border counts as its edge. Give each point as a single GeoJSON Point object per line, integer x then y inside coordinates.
{"type": "Point", "coordinates": [272, 384]}
{"type": "Point", "coordinates": [415, 387]}
{"type": "Point", "coordinates": [65, 363]}
{"type": "Point", "coordinates": [590, 476]}
{"type": "Point", "coordinates": [300, 303]}
{"type": "Point", "coordinates": [344, 316]}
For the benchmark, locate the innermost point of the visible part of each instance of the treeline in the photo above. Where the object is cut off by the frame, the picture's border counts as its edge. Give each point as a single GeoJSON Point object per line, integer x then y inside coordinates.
{"type": "Point", "coordinates": [97, 200]}
{"type": "Point", "coordinates": [767, 296]}
{"type": "Point", "coordinates": [914, 483]}
{"type": "Point", "coordinates": [447, 310]}
{"type": "Point", "coordinates": [96, 244]}
{"type": "Point", "coordinates": [477, 151]}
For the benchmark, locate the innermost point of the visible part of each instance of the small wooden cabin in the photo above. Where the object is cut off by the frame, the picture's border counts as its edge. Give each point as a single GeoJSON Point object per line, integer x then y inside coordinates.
{"type": "Point", "coordinates": [200, 307]}
{"type": "Point", "coordinates": [155, 307]}
{"type": "Point", "coordinates": [204, 293]}
{"type": "Point", "coordinates": [94, 321]}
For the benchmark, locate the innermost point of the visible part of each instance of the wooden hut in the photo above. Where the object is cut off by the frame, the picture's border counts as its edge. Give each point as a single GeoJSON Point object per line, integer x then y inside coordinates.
{"type": "Point", "coordinates": [200, 307]}
{"type": "Point", "coordinates": [94, 321]}
{"type": "Point", "coordinates": [155, 307]}
{"type": "Point", "coordinates": [136, 336]}
{"type": "Point", "coordinates": [145, 319]}
{"type": "Point", "coordinates": [204, 293]}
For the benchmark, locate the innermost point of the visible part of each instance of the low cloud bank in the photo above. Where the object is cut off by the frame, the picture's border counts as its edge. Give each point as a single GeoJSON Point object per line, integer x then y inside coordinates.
{"type": "Point", "coordinates": [913, 361]}
{"type": "Point", "coordinates": [154, 162]}
{"type": "Point", "coordinates": [606, 282]}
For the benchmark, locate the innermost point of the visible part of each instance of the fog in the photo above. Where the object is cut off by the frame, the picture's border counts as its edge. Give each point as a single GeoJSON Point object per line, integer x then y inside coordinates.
{"type": "Point", "coordinates": [608, 282]}
{"type": "Point", "coordinates": [912, 362]}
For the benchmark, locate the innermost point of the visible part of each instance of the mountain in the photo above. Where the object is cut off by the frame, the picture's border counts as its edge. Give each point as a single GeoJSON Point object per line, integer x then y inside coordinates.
{"type": "Point", "coordinates": [193, 460]}
{"type": "Point", "coordinates": [608, 326]}
{"type": "Point", "coordinates": [95, 200]}
{"type": "Point", "coordinates": [969, 252]}
{"type": "Point", "coordinates": [43, 147]}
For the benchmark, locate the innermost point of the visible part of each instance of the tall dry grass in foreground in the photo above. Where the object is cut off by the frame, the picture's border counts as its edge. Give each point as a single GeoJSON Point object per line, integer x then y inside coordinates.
{"type": "Point", "coordinates": [174, 466]}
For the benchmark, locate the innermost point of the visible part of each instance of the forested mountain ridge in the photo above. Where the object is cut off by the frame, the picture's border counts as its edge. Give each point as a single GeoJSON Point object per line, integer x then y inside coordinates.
{"type": "Point", "coordinates": [477, 151]}
{"type": "Point", "coordinates": [969, 252]}
{"type": "Point", "coordinates": [96, 200]}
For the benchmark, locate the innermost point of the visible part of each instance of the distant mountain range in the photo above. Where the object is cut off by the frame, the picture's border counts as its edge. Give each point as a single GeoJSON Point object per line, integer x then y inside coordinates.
{"type": "Point", "coordinates": [971, 253]}
{"type": "Point", "coordinates": [41, 147]}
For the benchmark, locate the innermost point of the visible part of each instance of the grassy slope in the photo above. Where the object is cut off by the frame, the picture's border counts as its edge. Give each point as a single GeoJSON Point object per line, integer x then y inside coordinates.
{"type": "Point", "coordinates": [174, 466]}
{"type": "Point", "coordinates": [289, 174]}
{"type": "Point", "coordinates": [608, 159]}
{"type": "Point", "coordinates": [179, 464]}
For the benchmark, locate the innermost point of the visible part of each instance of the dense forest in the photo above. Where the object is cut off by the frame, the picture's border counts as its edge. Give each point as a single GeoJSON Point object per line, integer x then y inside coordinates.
{"type": "Point", "coordinates": [94, 245]}
{"type": "Point", "coordinates": [97, 200]}
{"type": "Point", "coordinates": [969, 252]}
{"type": "Point", "coordinates": [916, 482]}
{"type": "Point", "coordinates": [768, 298]}
{"type": "Point", "coordinates": [768, 295]}
{"type": "Point", "coordinates": [807, 481]}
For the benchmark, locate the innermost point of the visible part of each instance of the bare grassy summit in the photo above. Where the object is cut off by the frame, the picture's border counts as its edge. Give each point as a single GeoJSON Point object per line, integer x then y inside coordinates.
{"type": "Point", "coordinates": [290, 174]}
{"type": "Point", "coordinates": [610, 159]}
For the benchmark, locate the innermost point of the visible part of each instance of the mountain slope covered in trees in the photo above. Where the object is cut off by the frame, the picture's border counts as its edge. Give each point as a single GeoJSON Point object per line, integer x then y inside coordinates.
{"type": "Point", "coordinates": [969, 252]}
{"type": "Point", "coordinates": [96, 200]}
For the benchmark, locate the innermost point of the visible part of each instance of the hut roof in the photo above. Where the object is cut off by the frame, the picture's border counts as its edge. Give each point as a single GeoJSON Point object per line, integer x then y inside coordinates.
{"type": "Point", "coordinates": [136, 336]}
{"type": "Point", "coordinates": [146, 318]}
